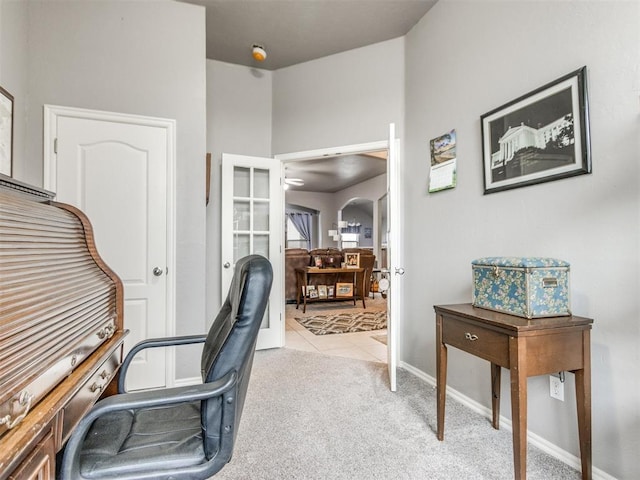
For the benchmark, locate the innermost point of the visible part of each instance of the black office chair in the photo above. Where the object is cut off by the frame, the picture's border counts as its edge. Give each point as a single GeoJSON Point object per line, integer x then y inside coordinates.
{"type": "Point", "coordinates": [183, 432]}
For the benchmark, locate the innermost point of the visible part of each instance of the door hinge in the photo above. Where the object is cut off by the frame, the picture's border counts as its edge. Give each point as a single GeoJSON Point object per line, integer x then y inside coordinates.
{"type": "Point", "coordinates": [55, 146]}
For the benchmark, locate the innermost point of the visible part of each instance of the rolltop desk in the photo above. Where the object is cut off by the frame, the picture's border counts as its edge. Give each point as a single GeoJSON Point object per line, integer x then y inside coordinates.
{"type": "Point", "coordinates": [61, 327]}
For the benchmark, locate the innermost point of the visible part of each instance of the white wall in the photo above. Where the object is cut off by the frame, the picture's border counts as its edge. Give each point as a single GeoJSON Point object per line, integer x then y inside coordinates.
{"type": "Point", "coordinates": [356, 214]}
{"type": "Point", "coordinates": [238, 121]}
{"type": "Point", "coordinates": [145, 58]}
{"type": "Point", "coordinates": [13, 73]}
{"type": "Point", "coordinates": [328, 204]}
{"type": "Point", "coordinates": [343, 99]}
{"type": "Point", "coordinates": [464, 59]}
{"type": "Point", "coordinates": [325, 204]}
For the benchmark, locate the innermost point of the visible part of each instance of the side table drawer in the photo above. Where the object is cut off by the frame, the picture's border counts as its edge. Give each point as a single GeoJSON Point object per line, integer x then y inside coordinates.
{"type": "Point", "coordinates": [482, 342]}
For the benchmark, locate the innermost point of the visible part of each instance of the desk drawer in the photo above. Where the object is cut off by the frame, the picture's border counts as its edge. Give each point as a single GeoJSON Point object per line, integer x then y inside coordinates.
{"type": "Point", "coordinates": [89, 394]}
{"type": "Point", "coordinates": [482, 342]}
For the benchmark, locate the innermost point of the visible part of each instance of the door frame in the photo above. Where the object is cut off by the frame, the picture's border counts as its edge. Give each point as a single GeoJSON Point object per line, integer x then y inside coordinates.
{"type": "Point", "coordinates": [342, 151]}
{"type": "Point", "coordinates": [51, 115]}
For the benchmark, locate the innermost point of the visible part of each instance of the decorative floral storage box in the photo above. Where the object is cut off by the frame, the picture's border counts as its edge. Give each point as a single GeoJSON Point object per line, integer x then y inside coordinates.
{"type": "Point", "coordinates": [529, 287]}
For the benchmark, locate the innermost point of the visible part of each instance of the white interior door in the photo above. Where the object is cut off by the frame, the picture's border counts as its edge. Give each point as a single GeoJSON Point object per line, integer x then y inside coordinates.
{"type": "Point", "coordinates": [117, 170]}
{"type": "Point", "coordinates": [252, 222]}
{"type": "Point", "coordinates": [394, 296]}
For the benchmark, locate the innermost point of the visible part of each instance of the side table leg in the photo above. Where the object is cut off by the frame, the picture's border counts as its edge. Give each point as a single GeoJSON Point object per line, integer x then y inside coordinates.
{"type": "Point", "coordinates": [306, 292]}
{"type": "Point", "coordinates": [496, 373]}
{"type": "Point", "coordinates": [441, 377]}
{"type": "Point", "coordinates": [298, 289]}
{"type": "Point", "coordinates": [583, 401]}
{"type": "Point", "coordinates": [517, 359]}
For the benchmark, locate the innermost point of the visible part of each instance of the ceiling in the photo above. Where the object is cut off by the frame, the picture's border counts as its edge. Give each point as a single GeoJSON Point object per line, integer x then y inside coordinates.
{"type": "Point", "coordinates": [332, 174]}
{"type": "Point", "coordinates": [296, 31]}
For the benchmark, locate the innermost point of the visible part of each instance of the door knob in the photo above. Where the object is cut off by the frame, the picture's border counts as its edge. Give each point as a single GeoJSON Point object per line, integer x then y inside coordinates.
{"type": "Point", "coordinates": [157, 271]}
{"type": "Point", "coordinates": [226, 265]}
{"type": "Point", "coordinates": [399, 271]}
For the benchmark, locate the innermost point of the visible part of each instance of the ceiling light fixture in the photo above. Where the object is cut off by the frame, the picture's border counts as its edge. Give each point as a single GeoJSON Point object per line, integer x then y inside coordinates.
{"type": "Point", "coordinates": [259, 53]}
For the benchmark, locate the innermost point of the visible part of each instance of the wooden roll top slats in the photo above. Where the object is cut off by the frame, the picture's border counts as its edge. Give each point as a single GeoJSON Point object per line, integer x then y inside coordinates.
{"type": "Point", "coordinates": [57, 327]}
{"type": "Point", "coordinates": [58, 300]}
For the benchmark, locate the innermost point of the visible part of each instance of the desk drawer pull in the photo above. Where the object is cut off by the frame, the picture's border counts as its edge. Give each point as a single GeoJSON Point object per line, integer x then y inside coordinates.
{"type": "Point", "coordinates": [96, 387]}
{"type": "Point", "coordinates": [471, 337]}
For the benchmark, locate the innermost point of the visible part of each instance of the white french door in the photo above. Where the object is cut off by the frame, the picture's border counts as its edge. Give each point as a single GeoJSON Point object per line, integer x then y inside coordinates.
{"type": "Point", "coordinates": [118, 169]}
{"type": "Point", "coordinates": [252, 222]}
{"type": "Point", "coordinates": [394, 296]}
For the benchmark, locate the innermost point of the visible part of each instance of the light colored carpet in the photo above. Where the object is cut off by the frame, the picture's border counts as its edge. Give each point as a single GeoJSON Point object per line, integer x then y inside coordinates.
{"type": "Point", "coordinates": [312, 416]}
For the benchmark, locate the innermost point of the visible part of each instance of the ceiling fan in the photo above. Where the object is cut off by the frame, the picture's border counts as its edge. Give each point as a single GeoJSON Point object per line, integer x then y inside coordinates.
{"type": "Point", "coordinates": [296, 182]}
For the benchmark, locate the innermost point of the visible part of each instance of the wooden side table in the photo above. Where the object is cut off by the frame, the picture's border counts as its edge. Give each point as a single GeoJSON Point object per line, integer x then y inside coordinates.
{"type": "Point", "coordinates": [526, 347]}
{"type": "Point", "coordinates": [302, 282]}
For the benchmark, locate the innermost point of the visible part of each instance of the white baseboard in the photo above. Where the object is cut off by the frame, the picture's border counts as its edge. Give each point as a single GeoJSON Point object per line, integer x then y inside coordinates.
{"type": "Point", "coordinates": [536, 440]}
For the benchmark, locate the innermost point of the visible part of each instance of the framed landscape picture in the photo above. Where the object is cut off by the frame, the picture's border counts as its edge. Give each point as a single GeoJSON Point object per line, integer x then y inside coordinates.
{"type": "Point", "coordinates": [344, 290]}
{"type": "Point", "coordinates": [539, 137]}
{"type": "Point", "coordinates": [6, 132]}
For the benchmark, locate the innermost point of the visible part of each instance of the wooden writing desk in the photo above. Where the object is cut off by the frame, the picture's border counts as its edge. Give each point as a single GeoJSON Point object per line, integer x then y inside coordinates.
{"type": "Point", "coordinates": [526, 347]}
{"type": "Point", "coordinates": [302, 280]}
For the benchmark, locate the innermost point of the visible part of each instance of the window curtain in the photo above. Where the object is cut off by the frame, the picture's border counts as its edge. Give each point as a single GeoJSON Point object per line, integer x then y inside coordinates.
{"type": "Point", "coordinates": [302, 222]}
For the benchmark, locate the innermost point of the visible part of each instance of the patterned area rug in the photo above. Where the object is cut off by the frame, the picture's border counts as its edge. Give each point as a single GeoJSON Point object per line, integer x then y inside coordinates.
{"type": "Point", "coordinates": [344, 322]}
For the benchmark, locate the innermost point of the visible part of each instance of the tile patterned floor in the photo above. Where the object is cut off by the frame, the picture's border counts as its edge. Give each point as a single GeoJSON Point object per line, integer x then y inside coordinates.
{"type": "Point", "coordinates": [360, 345]}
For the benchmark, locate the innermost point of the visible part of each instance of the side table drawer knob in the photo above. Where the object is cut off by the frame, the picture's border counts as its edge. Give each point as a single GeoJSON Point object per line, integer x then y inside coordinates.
{"type": "Point", "coordinates": [471, 337]}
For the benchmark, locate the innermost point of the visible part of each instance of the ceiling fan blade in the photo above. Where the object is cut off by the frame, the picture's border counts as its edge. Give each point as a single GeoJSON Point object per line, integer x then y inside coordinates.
{"type": "Point", "coordinates": [298, 182]}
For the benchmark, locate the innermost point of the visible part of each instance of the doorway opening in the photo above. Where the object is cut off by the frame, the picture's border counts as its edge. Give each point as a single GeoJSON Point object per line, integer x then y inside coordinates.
{"type": "Point", "coordinates": [344, 187]}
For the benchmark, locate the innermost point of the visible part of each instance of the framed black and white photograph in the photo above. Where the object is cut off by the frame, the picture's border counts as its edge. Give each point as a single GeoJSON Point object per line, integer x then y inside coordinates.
{"type": "Point", "coordinates": [6, 132]}
{"type": "Point", "coordinates": [539, 137]}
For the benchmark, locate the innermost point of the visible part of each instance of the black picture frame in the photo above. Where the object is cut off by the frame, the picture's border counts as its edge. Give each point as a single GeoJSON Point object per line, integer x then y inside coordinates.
{"type": "Point", "coordinates": [539, 137]}
{"type": "Point", "coordinates": [6, 133]}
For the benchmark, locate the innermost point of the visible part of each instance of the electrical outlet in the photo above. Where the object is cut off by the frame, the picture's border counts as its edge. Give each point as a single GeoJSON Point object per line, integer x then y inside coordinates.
{"type": "Point", "coordinates": [556, 388]}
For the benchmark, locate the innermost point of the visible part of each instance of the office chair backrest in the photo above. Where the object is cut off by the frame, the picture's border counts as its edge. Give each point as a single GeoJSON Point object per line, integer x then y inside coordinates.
{"type": "Point", "coordinates": [231, 341]}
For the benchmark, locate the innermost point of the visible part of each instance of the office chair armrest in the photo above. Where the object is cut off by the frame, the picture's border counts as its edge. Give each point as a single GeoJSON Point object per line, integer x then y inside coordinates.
{"type": "Point", "coordinates": [135, 400]}
{"type": "Point", "coordinates": [153, 343]}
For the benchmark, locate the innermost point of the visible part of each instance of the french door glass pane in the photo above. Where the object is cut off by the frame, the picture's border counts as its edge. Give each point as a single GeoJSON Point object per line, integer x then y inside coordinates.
{"type": "Point", "coordinates": [241, 246]}
{"type": "Point", "coordinates": [261, 245]}
{"type": "Point", "coordinates": [261, 216]}
{"type": "Point", "coordinates": [265, 319]}
{"type": "Point", "coordinates": [261, 183]}
{"type": "Point", "coordinates": [241, 182]}
{"type": "Point", "coordinates": [241, 215]}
